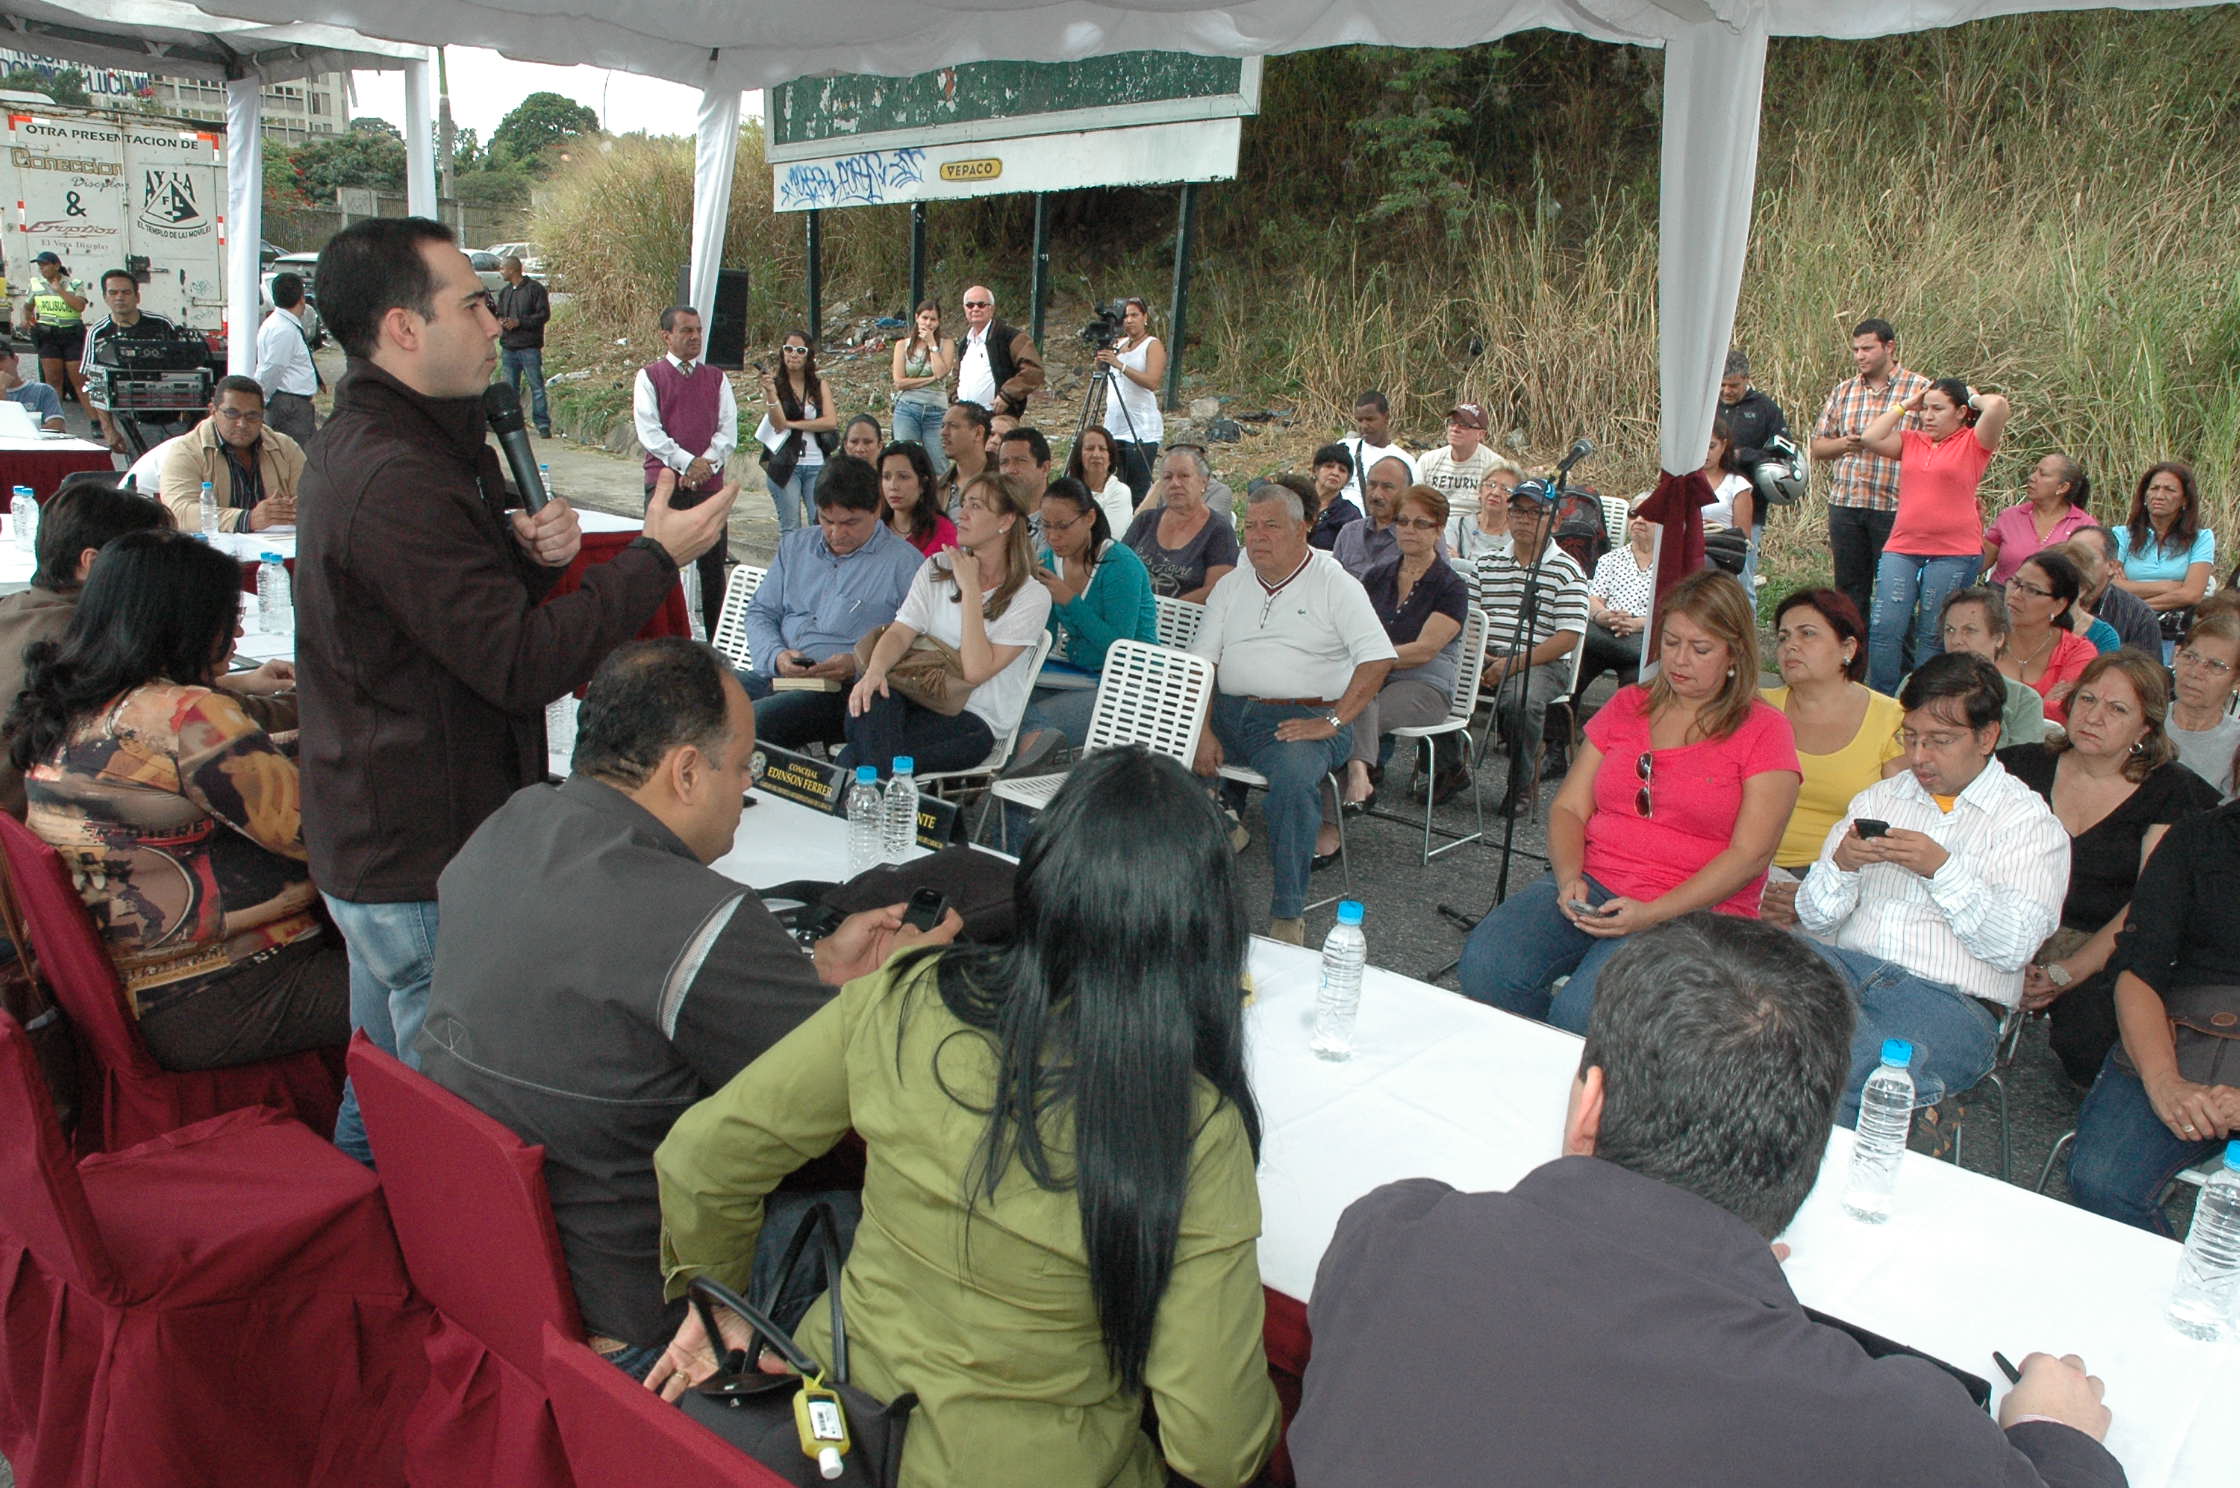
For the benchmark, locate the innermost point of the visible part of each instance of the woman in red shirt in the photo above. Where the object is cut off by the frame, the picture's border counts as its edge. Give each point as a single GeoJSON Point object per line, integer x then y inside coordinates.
{"type": "Point", "coordinates": [2042, 651]}
{"type": "Point", "coordinates": [1676, 803]}
{"type": "Point", "coordinates": [1936, 545]}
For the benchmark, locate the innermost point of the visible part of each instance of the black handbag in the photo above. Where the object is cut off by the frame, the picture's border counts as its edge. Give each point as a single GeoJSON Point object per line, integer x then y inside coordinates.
{"type": "Point", "coordinates": [979, 887]}
{"type": "Point", "coordinates": [778, 465]}
{"type": "Point", "coordinates": [757, 1412]}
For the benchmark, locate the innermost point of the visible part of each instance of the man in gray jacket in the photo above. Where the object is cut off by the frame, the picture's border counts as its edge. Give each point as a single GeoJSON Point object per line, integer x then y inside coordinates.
{"type": "Point", "coordinates": [1619, 1316]}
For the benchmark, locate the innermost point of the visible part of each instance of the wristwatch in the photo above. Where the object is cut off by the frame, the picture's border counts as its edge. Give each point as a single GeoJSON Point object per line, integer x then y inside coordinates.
{"type": "Point", "coordinates": [1334, 720]}
{"type": "Point", "coordinates": [2058, 974]}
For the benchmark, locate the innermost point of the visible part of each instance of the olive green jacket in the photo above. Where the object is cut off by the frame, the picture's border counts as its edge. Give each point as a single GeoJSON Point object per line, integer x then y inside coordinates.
{"type": "Point", "coordinates": [994, 1328]}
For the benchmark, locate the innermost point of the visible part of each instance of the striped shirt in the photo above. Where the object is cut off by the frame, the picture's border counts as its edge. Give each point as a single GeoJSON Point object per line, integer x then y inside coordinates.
{"type": "Point", "coordinates": [1988, 909]}
{"type": "Point", "coordinates": [1863, 479]}
{"type": "Point", "coordinates": [1561, 602]}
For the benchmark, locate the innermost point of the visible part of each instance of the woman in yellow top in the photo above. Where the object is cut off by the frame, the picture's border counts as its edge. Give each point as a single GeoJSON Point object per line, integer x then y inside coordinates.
{"type": "Point", "coordinates": [1847, 733]}
{"type": "Point", "coordinates": [1059, 1207]}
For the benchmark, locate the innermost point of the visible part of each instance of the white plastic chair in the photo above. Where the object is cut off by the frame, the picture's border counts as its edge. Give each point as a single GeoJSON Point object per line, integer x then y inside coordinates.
{"type": "Point", "coordinates": [1615, 518]}
{"type": "Point", "coordinates": [1178, 620]}
{"type": "Point", "coordinates": [1462, 704]}
{"type": "Point", "coordinates": [731, 622]}
{"type": "Point", "coordinates": [1150, 695]}
{"type": "Point", "coordinates": [940, 782]}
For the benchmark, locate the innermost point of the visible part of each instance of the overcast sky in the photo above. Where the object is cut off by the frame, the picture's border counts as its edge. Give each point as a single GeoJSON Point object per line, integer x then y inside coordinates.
{"type": "Point", "coordinates": [485, 87]}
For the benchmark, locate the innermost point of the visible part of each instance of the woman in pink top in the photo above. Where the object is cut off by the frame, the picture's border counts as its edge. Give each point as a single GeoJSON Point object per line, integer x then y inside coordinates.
{"type": "Point", "coordinates": [913, 501]}
{"type": "Point", "coordinates": [1676, 803]}
{"type": "Point", "coordinates": [2052, 509]}
{"type": "Point", "coordinates": [1936, 544]}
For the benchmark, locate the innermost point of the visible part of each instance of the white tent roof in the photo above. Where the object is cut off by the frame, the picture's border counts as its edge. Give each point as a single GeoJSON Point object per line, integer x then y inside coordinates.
{"type": "Point", "coordinates": [175, 39]}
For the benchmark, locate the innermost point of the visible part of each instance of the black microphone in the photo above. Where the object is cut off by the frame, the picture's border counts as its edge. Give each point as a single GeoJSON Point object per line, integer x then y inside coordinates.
{"type": "Point", "coordinates": [502, 406]}
{"type": "Point", "coordinates": [1580, 448]}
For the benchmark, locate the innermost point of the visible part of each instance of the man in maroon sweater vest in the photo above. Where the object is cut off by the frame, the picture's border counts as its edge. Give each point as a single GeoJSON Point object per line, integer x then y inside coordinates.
{"type": "Point", "coordinates": [688, 420]}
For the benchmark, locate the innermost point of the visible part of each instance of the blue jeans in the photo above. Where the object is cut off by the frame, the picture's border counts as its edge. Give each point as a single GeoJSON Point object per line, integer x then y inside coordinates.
{"type": "Point", "coordinates": [1066, 709]}
{"type": "Point", "coordinates": [2125, 1157]}
{"type": "Point", "coordinates": [895, 725]}
{"type": "Point", "coordinates": [1515, 954]}
{"type": "Point", "coordinates": [1750, 562]}
{"type": "Point", "coordinates": [792, 720]}
{"type": "Point", "coordinates": [796, 499]}
{"type": "Point", "coordinates": [1295, 769]}
{"type": "Point", "coordinates": [528, 361]}
{"type": "Point", "coordinates": [392, 960]}
{"type": "Point", "coordinates": [921, 424]}
{"type": "Point", "coordinates": [1954, 1037]}
{"type": "Point", "coordinates": [1909, 594]}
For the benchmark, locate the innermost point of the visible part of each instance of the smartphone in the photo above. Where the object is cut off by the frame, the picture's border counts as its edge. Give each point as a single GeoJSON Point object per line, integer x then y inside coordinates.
{"type": "Point", "coordinates": [1583, 907]}
{"type": "Point", "coordinates": [927, 906]}
{"type": "Point", "coordinates": [1867, 826]}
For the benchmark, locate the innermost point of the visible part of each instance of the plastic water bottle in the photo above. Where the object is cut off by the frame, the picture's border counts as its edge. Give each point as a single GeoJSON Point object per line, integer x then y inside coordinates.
{"type": "Point", "coordinates": [1885, 1119]}
{"type": "Point", "coordinates": [560, 726]}
{"type": "Point", "coordinates": [209, 511]}
{"type": "Point", "coordinates": [1338, 1000]}
{"type": "Point", "coordinates": [276, 604]}
{"type": "Point", "coordinates": [25, 508]}
{"type": "Point", "coordinates": [866, 827]}
{"type": "Point", "coordinates": [901, 810]}
{"type": "Point", "coordinates": [2201, 1299]}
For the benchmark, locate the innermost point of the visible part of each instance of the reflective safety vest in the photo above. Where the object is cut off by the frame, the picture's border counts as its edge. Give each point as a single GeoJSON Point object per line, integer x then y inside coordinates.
{"type": "Point", "coordinates": [53, 309]}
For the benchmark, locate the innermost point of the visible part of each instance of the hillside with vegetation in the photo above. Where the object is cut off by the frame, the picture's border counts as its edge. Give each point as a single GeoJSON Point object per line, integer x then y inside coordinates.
{"type": "Point", "coordinates": [2043, 205]}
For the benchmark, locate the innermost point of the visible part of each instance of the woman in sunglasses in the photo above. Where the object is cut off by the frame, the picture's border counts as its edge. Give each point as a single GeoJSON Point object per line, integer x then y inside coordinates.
{"type": "Point", "coordinates": [800, 405]}
{"type": "Point", "coordinates": [1676, 803]}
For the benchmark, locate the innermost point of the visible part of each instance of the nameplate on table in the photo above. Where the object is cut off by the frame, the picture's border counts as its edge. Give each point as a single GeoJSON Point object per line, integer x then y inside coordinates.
{"type": "Point", "coordinates": [823, 786]}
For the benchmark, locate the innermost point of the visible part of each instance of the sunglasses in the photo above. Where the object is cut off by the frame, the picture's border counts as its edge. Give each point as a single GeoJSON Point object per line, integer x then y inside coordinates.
{"type": "Point", "coordinates": [979, 304]}
{"type": "Point", "coordinates": [1645, 767]}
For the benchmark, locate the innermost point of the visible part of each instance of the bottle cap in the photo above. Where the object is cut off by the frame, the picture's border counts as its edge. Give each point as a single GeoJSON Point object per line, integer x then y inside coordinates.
{"type": "Point", "coordinates": [1897, 1052]}
{"type": "Point", "coordinates": [2232, 1154]}
{"type": "Point", "coordinates": [904, 764]}
{"type": "Point", "coordinates": [828, 1463]}
{"type": "Point", "coordinates": [867, 774]}
{"type": "Point", "coordinates": [1349, 911]}
{"type": "Point", "coordinates": [272, 558]}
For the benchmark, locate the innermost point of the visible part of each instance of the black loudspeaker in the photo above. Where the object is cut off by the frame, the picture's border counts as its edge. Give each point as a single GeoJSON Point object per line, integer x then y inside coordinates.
{"type": "Point", "coordinates": [726, 342]}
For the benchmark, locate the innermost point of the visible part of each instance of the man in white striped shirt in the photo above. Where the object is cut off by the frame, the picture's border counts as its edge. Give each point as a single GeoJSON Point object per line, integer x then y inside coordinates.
{"type": "Point", "coordinates": [1932, 910]}
{"type": "Point", "coordinates": [1538, 617]}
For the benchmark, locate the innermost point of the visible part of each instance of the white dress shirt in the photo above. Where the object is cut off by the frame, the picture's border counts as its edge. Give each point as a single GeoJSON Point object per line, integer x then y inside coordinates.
{"type": "Point", "coordinates": [1304, 640]}
{"type": "Point", "coordinates": [976, 380]}
{"type": "Point", "coordinates": [645, 412]}
{"type": "Point", "coordinates": [284, 357]}
{"type": "Point", "coordinates": [1977, 923]}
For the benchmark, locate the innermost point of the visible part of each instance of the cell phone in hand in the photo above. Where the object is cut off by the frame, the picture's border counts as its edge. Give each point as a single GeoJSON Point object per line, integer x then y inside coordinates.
{"type": "Point", "coordinates": [1867, 826]}
{"type": "Point", "coordinates": [927, 906]}
{"type": "Point", "coordinates": [1583, 907]}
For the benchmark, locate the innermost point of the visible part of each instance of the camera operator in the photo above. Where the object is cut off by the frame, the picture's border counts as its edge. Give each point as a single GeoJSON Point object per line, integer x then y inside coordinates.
{"type": "Point", "coordinates": [1135, 362]}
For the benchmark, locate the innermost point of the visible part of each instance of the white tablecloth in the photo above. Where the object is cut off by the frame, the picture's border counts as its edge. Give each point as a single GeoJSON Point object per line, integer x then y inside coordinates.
{"type": "Point", "coordinates": [44, 444]}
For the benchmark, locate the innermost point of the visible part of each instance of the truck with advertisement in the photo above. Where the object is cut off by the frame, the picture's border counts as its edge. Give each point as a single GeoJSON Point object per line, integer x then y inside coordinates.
{"type": "Point", "coordinates": [110, 189]}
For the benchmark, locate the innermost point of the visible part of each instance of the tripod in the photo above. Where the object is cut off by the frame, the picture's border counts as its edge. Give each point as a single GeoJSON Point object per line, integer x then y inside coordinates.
{"type": "Point", "coordinates": [1102, 381]}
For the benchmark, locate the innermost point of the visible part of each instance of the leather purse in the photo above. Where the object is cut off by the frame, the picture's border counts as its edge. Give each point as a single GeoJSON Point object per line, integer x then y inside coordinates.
{"type": "Point", "coordinates": [778, 466]}
{"type": "Point", "coordinates": [757, 1412]}
{"type": "Point", "coordinates": [930, 673]}
{"type": "Point", "coordinates": [2205, 1027]}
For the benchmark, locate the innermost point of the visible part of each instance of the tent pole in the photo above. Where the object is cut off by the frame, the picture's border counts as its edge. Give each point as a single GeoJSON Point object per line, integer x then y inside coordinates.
{"type": "Point", "coordinates": [715, 155]}
{"type": "Point", "coordinates": [419, 139]}
{"type": "Point", "coordinates": [917, 262]}
{"type": "Point", "coordinates": [816, 275]}
{"type": "Point", "coordinates": [1186, 220]}
{"type": "Point", "coordinates": [244, 219]}
{"type": "Point", "coordinates": [1038, 274]}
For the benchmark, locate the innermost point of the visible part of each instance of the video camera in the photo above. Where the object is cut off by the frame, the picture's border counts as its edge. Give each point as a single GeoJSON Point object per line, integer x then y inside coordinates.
{"type": "Point", "coordinates": [1101, 334]}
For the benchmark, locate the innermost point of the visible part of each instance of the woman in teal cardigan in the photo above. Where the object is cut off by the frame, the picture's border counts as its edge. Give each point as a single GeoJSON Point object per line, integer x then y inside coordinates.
{"type": "Point", "coordinates": [1100, 592]}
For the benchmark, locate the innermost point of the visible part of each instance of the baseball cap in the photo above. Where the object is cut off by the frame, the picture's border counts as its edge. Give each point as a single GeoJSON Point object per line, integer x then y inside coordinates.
{"type": "Point", "coordinates": [1536, 491]}
{"type": "Point", "coordinates": [1469, 415]}
{"type": "Point", "coordinates": [47, 257]}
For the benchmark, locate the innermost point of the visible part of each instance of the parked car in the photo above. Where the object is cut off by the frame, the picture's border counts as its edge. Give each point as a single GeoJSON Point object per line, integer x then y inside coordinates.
{"type": "Point", "coordinates": [486, 269]}
{"type": "Point", "coordinates": [532, 261]}
{"type": "Point", "coordinates": [305, 267]}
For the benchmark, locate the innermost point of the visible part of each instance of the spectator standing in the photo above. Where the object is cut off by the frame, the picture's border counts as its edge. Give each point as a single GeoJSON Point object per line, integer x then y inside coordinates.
{"type": "Point", "coordinates": [997, 365]}
{"type": "Point", "coordinates": [687, 418]}
{"type": "Point", "coordinates": [2168, 1095]}
{"type": "Point", "coordinates": [1185, 545]}
{"type": "Point", "coordinates": [1931, 922]}
{"type": "Point", "coordinates": [913, 500]}
{"type": "Point", "coordinates": [1333, 510]}
{"type": "Point", "coordinates": [253, 470]}
{"type": "Point", "coordinates": [1619, 595]}
{"type": "Point", "coordinates": [923, 363]}
{"type": "Point", "coordinates": [1863, 486]}
{"type": "Point", "coordinates": [425, 657]}
{"type": "Point", "coordinates": [290, 378]}
{"type": "Point", "coordinates": [54, 312]}
{"type": "Point", "coordinates": [126, 322]}
{"type": "Point", "coordinates": [799, 406]}
{"type": "Point", "coordinates": [2052, 511]}
{"type": "Point", "coordinates": [2134, 624]}
{"type": "Point", "coordinates": [1457, 468]}
{"type": "Point", "coordinates": [1422, 604]}
{"type": "Point", "coordinates": [1137, 363]}
{"type": "Point", "coordinates": [1059, 1204]}
{"type": "Point", "coordinates": [1975, 621]}
{"type": "Point", "coordinates": [523, 309]}
{"type": "Point", "coordinates": [2043, 650]}
{"type": "Point", "coordinates": [1535, 598]}
{"type": "Point", "coordinates": [1298, 652]}
{"type": "Point", "coordinates": [1363, 545]}
{"type": "Point", "coordinates": [1095, 462]}
{"type": "Point", "coordinates": [1936, 543]}
{"type": "Point", "coordinates": [1674, 803]}
{"type": "Point", "coordinates": [44, 406]}
{"type": "Point", "coordinates": [1753, 421]}
{"type": "Point", "coordinates": [2202, 724]}
{"type": "Point", "coordinates": [1636, 1267]}
{"type": "Point", "coordinates": [2115, 783]}
{"type": "Point", "coordinates": [830, 584]}
{"type": "Point", "coordinates": [1371, 441]}
{"type": "Point", "coordinates": [1481, 521]}
{"type": "Point", "coordinates": [2166, 550]}
{"type": "Point", "coordinates": [966, 432]}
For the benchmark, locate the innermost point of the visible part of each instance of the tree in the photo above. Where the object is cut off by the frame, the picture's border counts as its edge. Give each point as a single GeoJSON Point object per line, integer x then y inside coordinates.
{"type": "Point", "coordinates": [368, 124]}
{"type": "Point", "coordinates": [537, 123]}
{"type": "Point", "coordinates": [359, 158]}
{"type": "Point", "coordinates": [467, 153]}
{"type": "Point", "coordinates": [65, 85]}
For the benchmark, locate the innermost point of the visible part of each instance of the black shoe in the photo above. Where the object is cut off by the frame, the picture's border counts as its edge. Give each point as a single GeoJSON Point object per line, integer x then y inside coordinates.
{"type": "Point", "coordinates": [1515, 804]}
{"type": "Point", "coordinates": [1451, 781]}
{"type": "Point", "coordinates": [1323, 860]}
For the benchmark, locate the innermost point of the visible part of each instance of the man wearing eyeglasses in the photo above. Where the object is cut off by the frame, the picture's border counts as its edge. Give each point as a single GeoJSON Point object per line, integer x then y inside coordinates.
{"type": "Point", "coordinates": [252, 469]}
{"type": "Point", "coordinates": [1535, 596]}
{"type": "Point", "coordinates": [997, 365]}
{"type": "Point", "coordinates": [1935, 890]}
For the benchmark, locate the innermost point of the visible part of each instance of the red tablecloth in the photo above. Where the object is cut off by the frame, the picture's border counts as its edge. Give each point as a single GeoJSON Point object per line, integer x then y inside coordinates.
{"type": "Point", "coordinates": [43, 470]}
{"type": "Point", "coordinates": [672, 619]}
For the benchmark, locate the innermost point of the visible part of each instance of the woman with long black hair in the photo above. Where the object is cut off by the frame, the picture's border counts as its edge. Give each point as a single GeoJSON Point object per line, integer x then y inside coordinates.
{"type": "Point", "coordinates": [1059, 1203]}
{"type": "Point", "coordinates": [799, 403]}
{"type": "Point", "coordinates": [911, 497]}
{"type": "Point", "coordinates": [177, 815]}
